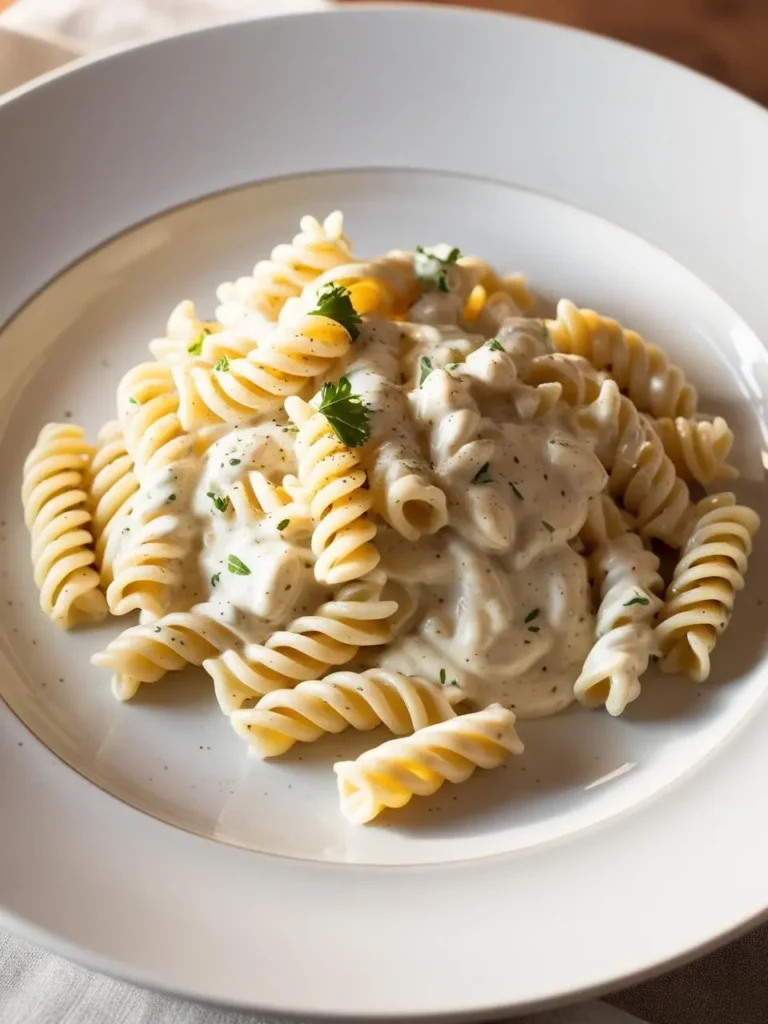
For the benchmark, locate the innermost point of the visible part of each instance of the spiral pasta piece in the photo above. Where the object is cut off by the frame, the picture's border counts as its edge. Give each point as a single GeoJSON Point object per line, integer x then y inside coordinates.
{"type": "Point", "coordinates": [627, 582]}
{"type": "Point", "coordinates": [316, 249]}
{"type": "Point", "coordinates": [699, 449]}
{"type": "Point", "coordinates": [55, 500]}
{"type": "Point", "coordinates": [699, 600]}
{"type": "Point", "coordinates": [307, 647]}
{"type": "Point", "coordinates": [112, 486]}
{"type": "Point", "coordinates": [641, 370]}
{"type": "Point", "coordinates": [239, 391]}
{"type": "Point", "coordinates": [641, 474]}
{"type": "Point", "coordinates": [402, 704]}
{"type": "Point", "coordinates": [148, 409]}
{"type": "Point", "coordinates": [256, 497]}
{"type": "Point", "coordinates": [144, 653]}
{"type": "Point", "coordinates": [334, 481]}
{"type": "Point", "coordinates": [187, 337]}
{"type": "Point", "coordinates": [391, 774]}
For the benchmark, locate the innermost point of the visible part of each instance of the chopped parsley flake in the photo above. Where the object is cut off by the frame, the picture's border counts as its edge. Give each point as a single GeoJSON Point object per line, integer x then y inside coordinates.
{"type": "Point", "coordinates": [348, 417]}
{"type": "Point", "coordinates": [547, 526]}
{"type": "Point", "coordinates": [335, 302]}
{"type": "Point", "coordinates": [133, 401]}
{"type": "Point", "coordinates": [237, 567]}
{"type": "Point", "coordinates": [170, 498]}
{"type": "Point", "coordinates": [495, 345]}
{"type": "Point", "coordinates": [531, 616]}
{"type": "Point", "coordinates": [425, 368]}
{"type": "Point", "coordinates": [432, 269]}
{"type": "Point", "coordinates": [196, 348]}
{"type": "Point", "coordinates": [215, 578]}
{"type": "Point", "coordinates": [234, 462]}
{"type": "Point", "coordinates": [638, 599]}
{"type": "Point", "coordinates": [282, 524]}
{"type": "Point", "coordinates": [219, 503]}
{"type": "Point", "coordinates": [483, 475]}
{"type": "Point", "coordinates": [443, 679]}
{"type": "Point", "coordinates": [533, 629]}
{"type": "Point", "coordinates": [223, 365]}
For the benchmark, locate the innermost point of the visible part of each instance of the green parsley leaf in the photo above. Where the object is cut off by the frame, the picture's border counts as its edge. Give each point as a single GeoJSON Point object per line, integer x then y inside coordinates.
{"type": "Point", "coordinates": [335, 302]}
{"type": "Point", "coordinates": [196, 348]}
{"type": "Point", "coordinates": [237, 567]}
{"type": "Point", "coordinates": [638, 599]}
{"type": "Point", "coordinates": [170, 498]}
{"type": "Point", "coordinates": [531, 616]}
{"type": "Point", "coordinates": [158, 629]}
{"type": "Point", "coordinates": [223, 365]}
{"type": "Point", "coordinates": [349, 418]}
{"type": "Point", "coordinates": [516, 491]}
{"type": "Point", "coordinates": [547, 526]}
{"type": "Point", "coordinates": [282, 524]}
{"type": "Point", "coordinates": [483, 475]}
{"type": "Point", "coordinates": [442, 677]}
{"type": "Point", "coordinates": [133, 401]}
{"type": "Point", "coordinates": [234, 462]}
{"type": "Point", "coordinates": [533, 629]}
{"type": "Point", "coordinates": [215, 578]}
{"type": "Point", "coordinates": [219, 503]}
{"type": "Point", "coordinates": [425, 368]}
{"type": "Point", "coordinates": [432, 269]}
{"type": "Point", "coordinates": [495, 345]}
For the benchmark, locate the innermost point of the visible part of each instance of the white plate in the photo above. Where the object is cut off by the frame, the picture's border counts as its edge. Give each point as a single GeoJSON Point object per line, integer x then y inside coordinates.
{"type": "Point", "coordinates": [614, 847]}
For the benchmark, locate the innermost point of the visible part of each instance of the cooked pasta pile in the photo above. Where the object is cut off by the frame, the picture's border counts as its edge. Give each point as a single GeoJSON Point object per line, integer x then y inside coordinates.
{"type": "Point", "coordinates": [380, 492]}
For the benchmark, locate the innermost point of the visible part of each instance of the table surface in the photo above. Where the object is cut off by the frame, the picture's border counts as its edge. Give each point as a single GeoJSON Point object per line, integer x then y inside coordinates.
{"type": "Point", "coordinates": [725, 39]}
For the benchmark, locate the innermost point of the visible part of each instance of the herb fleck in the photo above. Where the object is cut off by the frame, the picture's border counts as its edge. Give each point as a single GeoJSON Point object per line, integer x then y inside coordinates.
{"type": "Point", "coordinates": [215, 578]}
{"type": "Point", "coordinates": [282, 524]}
{"type": "Point", "coordinates": [345, 412]}
{"type": "Point", "coordinates": [638, 599]}
{"type": "Point", "coordinates": [425, 368]}
{"type": "Point", "coordinates": [223, 365]}
{"type": "Point", "coordinates": [483, 475]}
{"type": "Point", "coordinates": [495, 345]}
{"type": "Point", "coordinates": [234, 462]}
{"type": "Point", "coordinates": [532, 615]}
{"type": "Point", "coordinates": [219, 503]}
{"type": "Point", "coordinates": [239, 568]}
{"type": "Point", "coordinates": [547, 526]}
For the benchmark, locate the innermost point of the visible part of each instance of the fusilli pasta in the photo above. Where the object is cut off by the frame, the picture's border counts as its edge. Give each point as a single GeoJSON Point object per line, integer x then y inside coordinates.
{"type": "Point", "coordinates": [316, 249]}
{"type": "Point", "coordinates": [356, 617]}
{"type": "Point", "coordinates": [54, 500]}
{"type": "Point", "coordinates": [699, 600]}
{"type": "Point", "coordinates": [334, 482]}
{"type": "Point", "coordinates": [391, 774]}
{"type": "Point", "coordinates": [641, 370]}
{"type": "Point", "coordinates": [699, 449]}
{"type": "Point", "coordinates": [144, 653]}
{"type": "Point", "coordinates": [363, 701]}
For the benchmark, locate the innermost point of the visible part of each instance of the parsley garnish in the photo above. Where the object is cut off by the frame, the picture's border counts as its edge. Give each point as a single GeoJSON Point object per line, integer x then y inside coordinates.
{"type": "Point", "coordinates": [237, 567]}
{"type": "Point", "coordinates": [215, 578]}
{"type": "Point", "coordinates": [282, 524]}
{"type": "Point", "coordinates": [531, 616]}
{"type": "Point", "coordinates": [638, 599]}
{"type": "Point", "coordinates": [336, 303]}
{"type": "Point", "coordinates": [432, 269]}
{"type": "Point", "coordinates": [483, 475]}
{"type": "Point", "coordinates": [170, 498]}
{"type": "Point", "coordinates": [495, 345]}
{"type": "Point", "coordinates": [443, 678]}
{"type": "Point", "coordinates": [223, 365]}
{"type": "Point", "coordinates": [516, 491]}
{"type": "Point", "coordinates": [234, 462]}
{"type": "Point", "coordinates": [219, 503]}
{"type": "Point", "coordinates": [196, 348]}
{"type": "Point", "coordinates": [425, 368]}
{"type": "Point", "coordinates": [533, 629]}
{"type": "Point", "coordinates": [547, 526]}
{"type": "Point", "coordinates": [133, 401]}
{"type": "Point", "coordinates": [345, 412]}
{"type": "Point", "coordinates": [158, 629]}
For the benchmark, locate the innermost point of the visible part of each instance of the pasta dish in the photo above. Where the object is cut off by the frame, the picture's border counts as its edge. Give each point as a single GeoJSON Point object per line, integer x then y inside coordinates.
{"type": "Point", "coordinates": [387, 492]}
